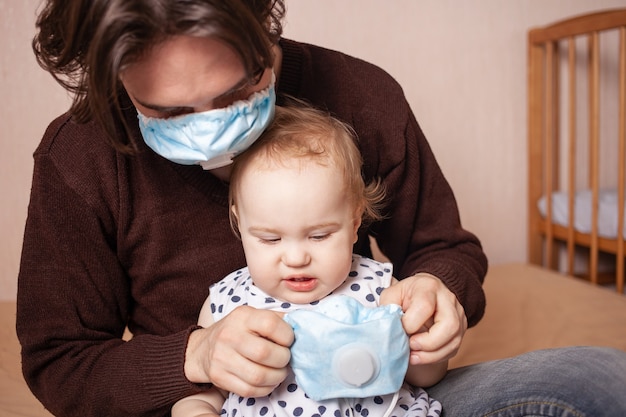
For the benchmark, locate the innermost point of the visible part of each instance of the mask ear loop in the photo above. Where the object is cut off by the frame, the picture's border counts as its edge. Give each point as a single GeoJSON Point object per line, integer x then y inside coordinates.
{"type": "Point", "coordinates": [394, 401]}
{"type": "Point", "coordinates": [392, 405]}
{"type": "Point", "coordinates": [348, 406]}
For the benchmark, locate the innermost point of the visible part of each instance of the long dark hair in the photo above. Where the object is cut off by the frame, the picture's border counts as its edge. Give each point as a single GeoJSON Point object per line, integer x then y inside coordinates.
{"type": "Point", "coordinates": [85, 44]}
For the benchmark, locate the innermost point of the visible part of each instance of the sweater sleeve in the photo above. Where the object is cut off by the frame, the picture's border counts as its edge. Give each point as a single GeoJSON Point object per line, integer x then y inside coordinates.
{"type": "Point", "coordinates": [73, 306]}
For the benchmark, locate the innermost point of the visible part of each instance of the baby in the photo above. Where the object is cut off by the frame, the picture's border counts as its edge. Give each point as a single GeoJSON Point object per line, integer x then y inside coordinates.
{"type": "Point", "coordinates": [297, 201]}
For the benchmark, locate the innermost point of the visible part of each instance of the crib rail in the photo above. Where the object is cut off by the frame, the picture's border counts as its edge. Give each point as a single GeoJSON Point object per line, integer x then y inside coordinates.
{"type": "Point", "coordinates": [554, 97]}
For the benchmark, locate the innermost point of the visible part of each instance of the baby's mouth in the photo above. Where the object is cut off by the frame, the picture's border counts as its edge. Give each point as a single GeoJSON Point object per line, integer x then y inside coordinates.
{"type": "Point", "coordinates": [301, 283]}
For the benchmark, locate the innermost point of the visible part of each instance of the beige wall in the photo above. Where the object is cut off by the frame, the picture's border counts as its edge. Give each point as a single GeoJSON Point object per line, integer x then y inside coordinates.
{"type": "Point", "coordinates": [30, 99]}
{"type": "Point", "coordinates": [462, 65]}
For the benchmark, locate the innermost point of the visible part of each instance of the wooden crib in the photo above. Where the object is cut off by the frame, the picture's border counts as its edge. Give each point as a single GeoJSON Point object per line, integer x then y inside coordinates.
{"type": "Point", "coordinates": [576, 139]}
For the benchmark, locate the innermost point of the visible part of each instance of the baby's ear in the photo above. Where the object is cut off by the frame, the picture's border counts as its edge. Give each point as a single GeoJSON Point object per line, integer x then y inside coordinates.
{"type": "Point", "coordinates": [234, 220]}
{"type": "Point", "coordinates": [356, 224]}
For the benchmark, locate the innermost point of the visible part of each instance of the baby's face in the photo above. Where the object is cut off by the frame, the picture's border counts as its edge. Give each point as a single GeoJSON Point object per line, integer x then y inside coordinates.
{"type": "Point", "coordinates": [297, 228]}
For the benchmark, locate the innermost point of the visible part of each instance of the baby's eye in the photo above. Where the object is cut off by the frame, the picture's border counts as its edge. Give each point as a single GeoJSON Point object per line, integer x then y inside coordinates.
{"type": "Point", "coordinates": [269, 240]}
{"type": "Point", "coordinates": [320, 236]}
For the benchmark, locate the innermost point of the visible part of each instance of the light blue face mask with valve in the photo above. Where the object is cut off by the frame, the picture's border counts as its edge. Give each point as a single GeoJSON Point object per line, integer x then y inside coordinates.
{"type": "Point", "coordinates": [214, 137]}
{"type": "Point", "coordinates": [343, 349]}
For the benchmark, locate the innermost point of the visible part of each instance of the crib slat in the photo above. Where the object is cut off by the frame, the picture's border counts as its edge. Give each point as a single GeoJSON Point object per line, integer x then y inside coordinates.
{"type": "Point", "coordinates": [619, 278]}
{"type": "Point", "coordinates": [571, 180]}
{"type": "Point", "coordinates": [555, 140]}
{"type": "Point", "coordinates": [536, 82]}
{"type": "Point", "coordinates": [594, 139]}
{"type": "Point", "coordinates": [548, 152]}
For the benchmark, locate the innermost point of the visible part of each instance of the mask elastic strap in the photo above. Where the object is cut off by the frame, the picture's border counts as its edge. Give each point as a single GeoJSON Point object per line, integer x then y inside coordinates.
{"type": "Point", "coordinates": [347, 404]}
{"type": "Point", "coordinates": [392, 405]}
{"type": "Point", "coordinates": [394, 401]}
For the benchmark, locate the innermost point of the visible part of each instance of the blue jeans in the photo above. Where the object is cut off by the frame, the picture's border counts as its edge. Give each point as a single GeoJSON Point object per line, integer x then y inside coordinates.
{"type": "Point", "coordinates": [564, 382]}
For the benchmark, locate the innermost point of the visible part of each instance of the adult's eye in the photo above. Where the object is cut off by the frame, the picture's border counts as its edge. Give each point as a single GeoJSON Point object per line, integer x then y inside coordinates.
{"type": "Point", "coordinates": [168, 113]}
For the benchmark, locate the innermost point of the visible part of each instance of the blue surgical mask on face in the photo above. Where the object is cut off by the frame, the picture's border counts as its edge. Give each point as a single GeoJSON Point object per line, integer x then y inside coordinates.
{"type": "Point", "coordinates": [343, 349]}
{"type": "Point", "coordinates": [211, 138]}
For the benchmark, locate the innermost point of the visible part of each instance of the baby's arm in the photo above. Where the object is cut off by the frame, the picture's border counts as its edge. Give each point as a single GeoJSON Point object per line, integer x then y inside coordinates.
{"type": "Point", "coordinates": [424, 375]}
{"type": "Point", "coordinates": [205, 404]}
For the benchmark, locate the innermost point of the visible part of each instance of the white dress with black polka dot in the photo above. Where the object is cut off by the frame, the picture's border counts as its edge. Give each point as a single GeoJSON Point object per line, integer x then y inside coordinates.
{"type": "Point", "coordinates": [365, 282]}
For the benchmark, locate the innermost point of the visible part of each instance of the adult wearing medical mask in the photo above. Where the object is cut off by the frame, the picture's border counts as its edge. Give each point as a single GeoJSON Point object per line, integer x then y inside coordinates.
{"type": "Point", "coordinates": [128, 219]}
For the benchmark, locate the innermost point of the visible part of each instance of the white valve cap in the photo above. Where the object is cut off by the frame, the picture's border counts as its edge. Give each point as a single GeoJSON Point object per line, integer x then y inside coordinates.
{"type": "Point", "coordinates": [355, 365]}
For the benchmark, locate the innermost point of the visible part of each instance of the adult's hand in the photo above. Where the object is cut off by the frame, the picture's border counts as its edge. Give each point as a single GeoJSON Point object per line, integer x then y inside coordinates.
{"type": "Point", "coordinates": [246, 352]}
{"type": "Point", "coordinates": [433, 317]}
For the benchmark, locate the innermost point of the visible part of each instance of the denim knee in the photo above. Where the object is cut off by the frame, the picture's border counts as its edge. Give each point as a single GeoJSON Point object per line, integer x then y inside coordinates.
{"type": "Point", "coordinates": [562, 382]}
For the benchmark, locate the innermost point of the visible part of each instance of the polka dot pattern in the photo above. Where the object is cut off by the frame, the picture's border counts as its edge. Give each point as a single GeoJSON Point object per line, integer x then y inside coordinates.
{"type": "Point", "coordinates": [365, 282]}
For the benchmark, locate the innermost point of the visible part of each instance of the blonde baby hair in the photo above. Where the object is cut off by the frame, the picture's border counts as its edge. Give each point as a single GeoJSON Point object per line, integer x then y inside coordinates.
{"type": "Point", "coordinates": [299, 131]}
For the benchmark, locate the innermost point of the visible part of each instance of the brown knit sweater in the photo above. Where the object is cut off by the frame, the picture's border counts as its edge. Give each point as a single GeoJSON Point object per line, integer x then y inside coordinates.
{"type": "Point", "coordinates": [114, 241]}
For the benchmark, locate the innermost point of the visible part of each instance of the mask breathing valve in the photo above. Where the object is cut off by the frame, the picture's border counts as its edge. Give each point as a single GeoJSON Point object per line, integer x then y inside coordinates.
{"type": "Point", "coordinates": [355, 365]}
